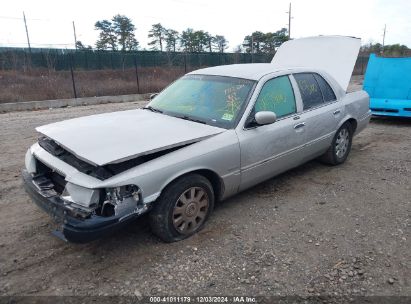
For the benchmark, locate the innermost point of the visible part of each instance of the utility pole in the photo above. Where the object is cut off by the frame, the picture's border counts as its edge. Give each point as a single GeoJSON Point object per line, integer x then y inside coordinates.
{"type": "Point", "coordinates": [27, 33]}
{"type": "Point", "coordinates": [383, 39]}
{"type": "Point", "coordinates": [289, 22]}
{"type": "Point", "coordinates": [75, 36]}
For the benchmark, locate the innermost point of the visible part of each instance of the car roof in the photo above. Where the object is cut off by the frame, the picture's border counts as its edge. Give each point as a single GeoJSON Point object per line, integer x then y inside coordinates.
{"type": "Point", "coordinates": [253, 71]}
{"type": "Point", "coordinates": [256, 71]}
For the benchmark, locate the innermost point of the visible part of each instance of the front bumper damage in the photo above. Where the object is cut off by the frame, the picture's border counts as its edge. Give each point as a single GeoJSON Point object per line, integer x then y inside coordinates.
{"type": "Point", "coordinates": [75, 227]}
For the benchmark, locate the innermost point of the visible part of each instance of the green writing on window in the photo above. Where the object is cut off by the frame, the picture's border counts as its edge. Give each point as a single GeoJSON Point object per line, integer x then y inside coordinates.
{"type": "Point", "coordinates": [277, 96]}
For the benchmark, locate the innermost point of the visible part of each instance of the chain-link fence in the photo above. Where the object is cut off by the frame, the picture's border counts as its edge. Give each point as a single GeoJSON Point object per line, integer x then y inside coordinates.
{"type": "Point", "coordinates": [39, 74]}
{"type": "Point", "coordinates": [61, 59]}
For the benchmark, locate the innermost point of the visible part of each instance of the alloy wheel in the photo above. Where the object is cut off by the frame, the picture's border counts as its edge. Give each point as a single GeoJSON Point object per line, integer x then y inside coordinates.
{"type": "Point", "coordinates": [342, 143]}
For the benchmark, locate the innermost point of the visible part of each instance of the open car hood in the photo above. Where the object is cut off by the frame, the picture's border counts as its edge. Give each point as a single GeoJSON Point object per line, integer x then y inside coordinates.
{"type": "Point", "coordinates": [119, 136]}
{"type": "Point", "coordinates": [335, 55]}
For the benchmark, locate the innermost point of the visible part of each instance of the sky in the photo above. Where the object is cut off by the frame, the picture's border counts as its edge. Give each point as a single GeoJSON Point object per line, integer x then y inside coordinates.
{"type": "Point", "coordinates": [50, 22]}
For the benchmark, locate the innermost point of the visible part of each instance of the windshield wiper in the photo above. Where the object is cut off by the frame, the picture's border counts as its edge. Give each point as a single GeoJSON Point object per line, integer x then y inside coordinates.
{"type": "Point", "coordinates": [152, 109]}
{"type": "Point", "coordinates": [185, 117]}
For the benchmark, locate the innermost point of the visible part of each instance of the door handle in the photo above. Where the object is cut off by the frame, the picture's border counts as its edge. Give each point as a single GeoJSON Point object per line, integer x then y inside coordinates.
{"type": "Point", "coordinates": [300, 125]}
{"type": "Point", "coordinates": [336, 112]}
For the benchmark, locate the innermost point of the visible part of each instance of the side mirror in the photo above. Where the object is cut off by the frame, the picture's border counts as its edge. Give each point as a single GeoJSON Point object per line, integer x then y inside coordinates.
{"type": "Point", "coordinates": [153, 95]}
{"type": "Point", "coordinates": [265, 117]}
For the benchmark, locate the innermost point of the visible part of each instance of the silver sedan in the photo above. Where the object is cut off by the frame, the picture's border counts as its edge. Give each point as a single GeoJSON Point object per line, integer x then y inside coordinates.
{"type": "Point", "coordinates": [209, 135]}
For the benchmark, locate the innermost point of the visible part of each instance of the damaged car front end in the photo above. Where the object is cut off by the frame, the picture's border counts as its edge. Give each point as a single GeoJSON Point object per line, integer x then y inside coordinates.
{"type": "Point", "coordinates": [83, 214]}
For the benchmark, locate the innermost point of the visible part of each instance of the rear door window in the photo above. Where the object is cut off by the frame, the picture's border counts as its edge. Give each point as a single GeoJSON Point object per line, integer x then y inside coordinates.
{"type": "Point", "coordinates": [309, 89]}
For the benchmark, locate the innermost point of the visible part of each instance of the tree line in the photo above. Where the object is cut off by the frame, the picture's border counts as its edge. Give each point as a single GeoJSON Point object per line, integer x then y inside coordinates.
{"type": "Point", "coordinates": [118, 34]}
{"type": "Point", "coordinates": [393, 50]}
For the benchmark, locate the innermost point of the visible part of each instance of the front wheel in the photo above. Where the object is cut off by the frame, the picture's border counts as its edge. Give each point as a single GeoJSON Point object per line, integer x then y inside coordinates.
{"type": "Point", "coordinates": [183, 208]}
{"type": "Point", "coordinates": [340, 147]}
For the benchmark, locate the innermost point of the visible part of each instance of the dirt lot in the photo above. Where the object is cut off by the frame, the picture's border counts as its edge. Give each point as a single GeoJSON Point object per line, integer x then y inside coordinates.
{"type": "Point", "coordinates": [313, 230]}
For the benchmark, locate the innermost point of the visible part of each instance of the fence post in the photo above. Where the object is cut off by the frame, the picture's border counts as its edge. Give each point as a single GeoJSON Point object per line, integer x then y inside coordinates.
{"type": "Point", "coordinates": [135, 66]}
{"type": "Point", "coordinates": [72, 74]}
{"type": "Point", "coordinates": [99, 60]}
{"type": "Point", "coordinates": [362, 65]}
{"type": "Point", "coordinates": [86, 60]}
{"type": "Point", "coordinates": [185, 62]}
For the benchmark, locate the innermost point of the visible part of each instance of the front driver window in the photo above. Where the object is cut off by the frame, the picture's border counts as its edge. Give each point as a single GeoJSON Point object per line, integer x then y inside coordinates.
{"type": "Point", "coordinates": [277, 96]}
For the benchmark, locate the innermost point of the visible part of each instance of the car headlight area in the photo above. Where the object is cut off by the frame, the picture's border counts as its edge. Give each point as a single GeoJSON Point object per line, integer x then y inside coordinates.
{"type": "Point", "coordinates": [82, 214]}
{"type": "Point", "coordinates": [107, 202]}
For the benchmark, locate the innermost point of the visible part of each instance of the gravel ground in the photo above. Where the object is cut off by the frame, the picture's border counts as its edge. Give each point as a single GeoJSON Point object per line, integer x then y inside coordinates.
{"type": "Point", "coordinates": [315, 230]}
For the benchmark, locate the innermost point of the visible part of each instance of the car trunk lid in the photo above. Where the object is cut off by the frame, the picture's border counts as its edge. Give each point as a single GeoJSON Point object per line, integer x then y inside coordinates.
{"type": "Point", "coordinates": [335, 55]}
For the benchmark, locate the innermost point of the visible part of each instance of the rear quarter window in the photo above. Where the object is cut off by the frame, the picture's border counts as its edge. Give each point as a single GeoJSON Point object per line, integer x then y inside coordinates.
{"type": "Point", "coordinates": [326, 90]}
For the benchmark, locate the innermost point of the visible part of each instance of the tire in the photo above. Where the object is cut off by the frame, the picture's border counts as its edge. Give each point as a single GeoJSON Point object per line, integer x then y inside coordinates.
{"type": "Point", "coordinates": [340, 147]}
{"type": "Point", "coordinates": [183, 208]}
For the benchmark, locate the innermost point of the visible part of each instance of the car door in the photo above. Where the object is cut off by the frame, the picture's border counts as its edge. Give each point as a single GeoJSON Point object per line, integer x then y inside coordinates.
{"type": "Point", "coordinates": [321, 112]}
{"type": "Point", "coordinates": [267, 150]}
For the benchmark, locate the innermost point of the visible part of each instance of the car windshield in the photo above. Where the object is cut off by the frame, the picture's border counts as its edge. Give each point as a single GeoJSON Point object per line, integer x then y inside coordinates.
{"type": "Point", "coordinates": [214, 100]}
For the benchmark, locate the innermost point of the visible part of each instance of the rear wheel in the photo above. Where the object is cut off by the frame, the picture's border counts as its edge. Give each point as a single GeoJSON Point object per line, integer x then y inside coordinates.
{"type": "Point", "coordinates": [340, 147]}
{"type": "Point", "coordinates": [182, 208]}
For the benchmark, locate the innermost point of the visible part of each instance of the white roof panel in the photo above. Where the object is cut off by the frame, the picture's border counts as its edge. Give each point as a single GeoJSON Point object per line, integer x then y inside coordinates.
{"type": "Point", "coordinates": [253, 71]}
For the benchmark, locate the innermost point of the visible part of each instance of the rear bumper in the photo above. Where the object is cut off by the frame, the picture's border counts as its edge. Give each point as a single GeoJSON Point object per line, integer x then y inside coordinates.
{"type": "Point", "coordinates": [390, 107]}
{"type": "Point", "coordinates": [73, 229]}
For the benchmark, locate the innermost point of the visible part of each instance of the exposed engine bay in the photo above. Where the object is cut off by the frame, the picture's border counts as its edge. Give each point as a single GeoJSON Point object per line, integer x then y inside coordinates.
{"type": "Point", "coordinates": [83, 203]}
